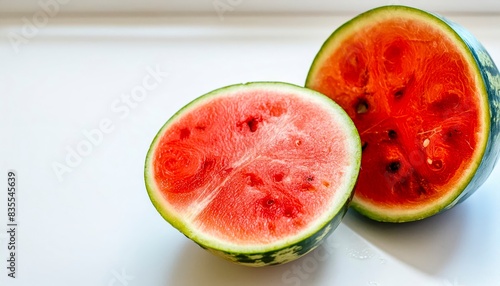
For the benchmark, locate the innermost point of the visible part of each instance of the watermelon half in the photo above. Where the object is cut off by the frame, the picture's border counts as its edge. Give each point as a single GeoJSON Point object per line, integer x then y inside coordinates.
{"type": "Point", "coordinates": [424, 95]}
{"type": "Point", "coordinates": [257, 173]}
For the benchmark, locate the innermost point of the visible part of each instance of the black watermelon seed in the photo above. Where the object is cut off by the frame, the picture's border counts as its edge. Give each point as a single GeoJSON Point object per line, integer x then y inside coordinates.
{"type": "Point", "coordinates": [393, 167]}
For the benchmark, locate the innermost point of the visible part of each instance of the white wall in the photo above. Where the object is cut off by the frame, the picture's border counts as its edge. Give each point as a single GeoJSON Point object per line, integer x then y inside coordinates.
{"type": "Point", "coordinates": [10, 7]}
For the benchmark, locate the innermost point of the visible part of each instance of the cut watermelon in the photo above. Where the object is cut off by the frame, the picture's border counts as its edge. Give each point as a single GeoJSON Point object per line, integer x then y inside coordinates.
{"type": "Point", "coordinates": [424, 95]}
{"type": "Point", "coordinates": [257, 173]}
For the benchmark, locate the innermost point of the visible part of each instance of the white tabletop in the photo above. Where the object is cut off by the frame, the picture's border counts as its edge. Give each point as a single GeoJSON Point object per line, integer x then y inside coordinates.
{"type": "Point", "coordinates": [65, 80]}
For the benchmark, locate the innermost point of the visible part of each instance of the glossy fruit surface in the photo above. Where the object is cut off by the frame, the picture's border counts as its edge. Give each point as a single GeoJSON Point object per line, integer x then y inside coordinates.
{"type": "Point", "coordinates": [424, 95]}
{"type": "Point", "coordinates": [257, 173]}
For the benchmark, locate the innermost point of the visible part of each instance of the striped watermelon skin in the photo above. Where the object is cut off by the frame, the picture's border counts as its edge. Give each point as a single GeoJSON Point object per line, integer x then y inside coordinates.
{"type": "Point", "coordinates": [491, 77]}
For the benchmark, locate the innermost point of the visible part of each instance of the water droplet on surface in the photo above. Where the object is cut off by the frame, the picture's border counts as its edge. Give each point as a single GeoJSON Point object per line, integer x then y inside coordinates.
{"type": "Point", "coordinates": [362, 254]}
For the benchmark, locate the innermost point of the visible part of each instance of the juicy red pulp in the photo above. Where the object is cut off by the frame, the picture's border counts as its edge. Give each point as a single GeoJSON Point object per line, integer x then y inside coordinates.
{"type": "Point", "coordinates": [250, 168]}
{"type": "Point", "coordinates": [413, 98]}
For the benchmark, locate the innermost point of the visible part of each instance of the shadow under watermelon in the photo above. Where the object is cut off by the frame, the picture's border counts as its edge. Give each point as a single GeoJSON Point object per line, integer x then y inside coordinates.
{"type": "Point", "coordinates": [199, 267]}
{"type": "Point", "coordinates": [427, 245]}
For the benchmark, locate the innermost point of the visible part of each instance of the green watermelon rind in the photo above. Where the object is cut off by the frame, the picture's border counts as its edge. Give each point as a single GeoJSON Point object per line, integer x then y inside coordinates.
{"type": "Point", "coordinates": [489, 81]}
{"type": "Point", "coordinates": [288, 253]}
{"type": "Point", "coordinates": [281, 252]}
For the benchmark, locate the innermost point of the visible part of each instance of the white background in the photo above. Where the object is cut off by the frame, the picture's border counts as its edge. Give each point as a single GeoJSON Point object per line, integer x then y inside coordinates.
{"type": "Point", "coordinates": [96, 226]}
{"type": "Point", "coordinates": [245, 6]}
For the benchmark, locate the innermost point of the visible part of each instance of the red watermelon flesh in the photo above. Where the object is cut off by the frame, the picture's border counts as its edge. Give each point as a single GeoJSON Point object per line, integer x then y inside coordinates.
{"type": "Point", "coordinates": [414, 92]}
{"type": "Point", "coordinates": [253, 166]}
